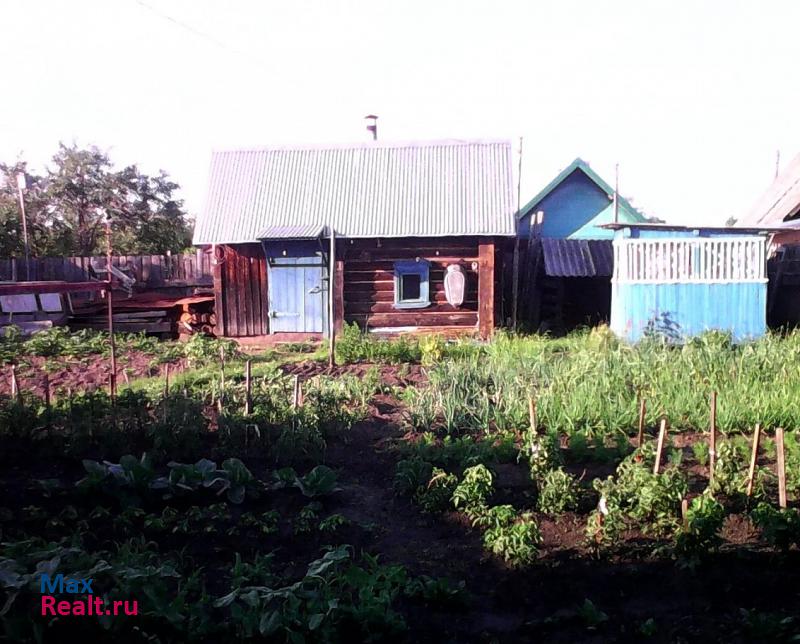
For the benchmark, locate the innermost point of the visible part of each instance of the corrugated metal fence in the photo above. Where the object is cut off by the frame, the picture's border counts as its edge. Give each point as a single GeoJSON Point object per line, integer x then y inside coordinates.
{"type": "Point", "coordinates": [150, 270]}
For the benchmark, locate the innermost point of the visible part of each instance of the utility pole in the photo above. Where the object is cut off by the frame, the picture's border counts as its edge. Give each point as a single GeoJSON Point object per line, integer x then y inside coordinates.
{"type": "Point", "coordinates": [21, 186]}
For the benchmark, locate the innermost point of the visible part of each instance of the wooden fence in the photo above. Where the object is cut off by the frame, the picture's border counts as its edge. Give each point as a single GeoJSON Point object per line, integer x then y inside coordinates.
{"type": "Point", "coordinates": [150, 270]}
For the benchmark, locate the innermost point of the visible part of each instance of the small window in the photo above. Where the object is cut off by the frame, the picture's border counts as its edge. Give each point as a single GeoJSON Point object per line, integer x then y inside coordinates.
{"type": "Point", "coordinates": [411, 284]}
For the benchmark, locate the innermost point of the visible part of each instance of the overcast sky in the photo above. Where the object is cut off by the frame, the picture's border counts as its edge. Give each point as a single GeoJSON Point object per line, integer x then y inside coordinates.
{"type": "Point", "coordinates": [692, 99]}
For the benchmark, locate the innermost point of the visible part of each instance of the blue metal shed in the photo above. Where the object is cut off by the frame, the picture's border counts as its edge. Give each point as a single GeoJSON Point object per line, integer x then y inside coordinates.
{"type": "Point", "coordinates": [679, 282]}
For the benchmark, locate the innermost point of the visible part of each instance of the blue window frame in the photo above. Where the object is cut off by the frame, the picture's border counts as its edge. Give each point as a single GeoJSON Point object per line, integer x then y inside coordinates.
{"type": "Point", "coordinates": [411, 284]}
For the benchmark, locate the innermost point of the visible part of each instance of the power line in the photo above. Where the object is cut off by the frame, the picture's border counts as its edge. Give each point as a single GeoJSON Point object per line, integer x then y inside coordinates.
{"type": "Point", "coordinates": [204, 35]}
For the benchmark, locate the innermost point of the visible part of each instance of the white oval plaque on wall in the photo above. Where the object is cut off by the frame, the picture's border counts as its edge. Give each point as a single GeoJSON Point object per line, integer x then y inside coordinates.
{"type": "Point", "coordinates": [454, 284]}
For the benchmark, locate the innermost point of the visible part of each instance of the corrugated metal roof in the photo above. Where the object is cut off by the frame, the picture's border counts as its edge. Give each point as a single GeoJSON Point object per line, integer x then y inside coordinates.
{"type": "Point", "coordinates": [309, 231]}
{"type": "Point", "coordinates": [424, 189]}
{"type": "Point", "coordinates": [578, 257]}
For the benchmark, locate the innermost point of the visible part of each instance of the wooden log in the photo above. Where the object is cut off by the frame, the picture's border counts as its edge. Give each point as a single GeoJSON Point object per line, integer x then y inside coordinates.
{"type": "Point", "coordinates": [640, 432]}
{"type": "Point", "coordinates": [662, 434]}
{"type": "Point", "coordinates": [753, 458]}
{"type": "Point", "coordinates": [712, 437]}
{"type": "Point", "coordinates": [781, 467]}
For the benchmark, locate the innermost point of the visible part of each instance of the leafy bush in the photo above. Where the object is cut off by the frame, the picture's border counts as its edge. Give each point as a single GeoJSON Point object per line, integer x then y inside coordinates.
{"type": "Point", "coordinates": [514, 538]}
{"type": "Point", "coordinates": [353, 345]}
{"type": "Point", "coordinates": [703, 523]}
{"type": "Point", "coordinates": [558, 492]}
{"type": "Point", "coordinates": [637, 497]}
{"type": "Point", "coordinates": [435, 496]}
{"type": "Point", "coordinates": [474, 488]}
{"type": "Point", "coordinates": [780, 527]}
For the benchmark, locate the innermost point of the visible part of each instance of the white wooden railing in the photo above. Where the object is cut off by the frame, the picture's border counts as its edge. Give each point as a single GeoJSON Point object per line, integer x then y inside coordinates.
{"type": "Point", "coordinates": [717, 260]}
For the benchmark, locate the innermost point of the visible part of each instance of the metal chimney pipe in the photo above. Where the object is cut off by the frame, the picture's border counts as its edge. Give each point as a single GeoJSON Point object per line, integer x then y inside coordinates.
{"type": "Point", "coordinates": [372, 125]}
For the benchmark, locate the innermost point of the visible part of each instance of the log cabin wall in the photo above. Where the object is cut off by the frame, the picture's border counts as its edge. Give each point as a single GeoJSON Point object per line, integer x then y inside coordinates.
{"type": "Point", "coordinates": [367, 266]}
{"type": "Point", "coordinates": [240, 290]}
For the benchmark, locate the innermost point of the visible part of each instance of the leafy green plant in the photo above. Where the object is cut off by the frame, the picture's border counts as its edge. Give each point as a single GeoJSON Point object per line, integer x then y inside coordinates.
{"type": "Point", "coordinates": [558, 492]}
{"type": "Point", "coordinates": [474, 488]}
{"type": "Point", "coordinates": [321, 481]}
{"type": "Point", "coordinates": [780, 527]}
{"type": "Point", "coordinates": [700, 532]}
{"type": "Point", "coordinates": [515, 538]}
{"type": "Point", "coordinates": [434, 497]}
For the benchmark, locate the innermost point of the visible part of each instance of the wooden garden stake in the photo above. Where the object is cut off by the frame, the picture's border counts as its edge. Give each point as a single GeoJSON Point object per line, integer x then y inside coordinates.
{"type": "Point", "coordinates": [532, 414]}
{"type": "Point", "coordinates": [753, 457]}
{"type": "Point", "coordinates": [221, 376]}
{"type": "Point", "coordinates": [662, 433]}
{"type": "Point", "coordinates": [712, 437]}
{"type": "Point", "coordinates": [781, 467]}
{"type": "Point", "coordinates": [685, 513]}
{"type": "Point", "coordinates": [15, 392]}
{"type": "Point", "coordinates": [248, 397]}
{"type": "Point", "coordinates": [126, 377]}
{"type": "Point", "coordinates": [46, 391]}
{"type": "Point", "coordinates": [296, 393]}
{"type": "Point", "coordinates": [166, 379]}
{"type": "Point", "coordinates": [640, 433]}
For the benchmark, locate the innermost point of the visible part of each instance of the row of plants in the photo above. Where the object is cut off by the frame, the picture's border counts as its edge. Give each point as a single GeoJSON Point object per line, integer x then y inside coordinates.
{"type": "Point", "coordinates": [592, 382]}
{"type": "Point", "coordinates": [60, 342]}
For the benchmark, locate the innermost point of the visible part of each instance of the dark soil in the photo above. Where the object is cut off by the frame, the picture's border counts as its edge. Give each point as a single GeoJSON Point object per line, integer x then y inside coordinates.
{"type": "Point", "coordinates": [390, 375]}
{"type": "Point", "coordinates": [81, 374]}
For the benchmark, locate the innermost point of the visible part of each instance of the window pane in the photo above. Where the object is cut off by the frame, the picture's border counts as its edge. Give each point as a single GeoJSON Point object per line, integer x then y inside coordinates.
{"type": "Point", "coordinates": [410, 287]}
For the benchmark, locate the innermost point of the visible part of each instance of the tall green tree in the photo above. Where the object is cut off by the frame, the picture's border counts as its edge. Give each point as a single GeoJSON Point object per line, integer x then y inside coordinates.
{"type": "Point", "coordinates": [66, 208]}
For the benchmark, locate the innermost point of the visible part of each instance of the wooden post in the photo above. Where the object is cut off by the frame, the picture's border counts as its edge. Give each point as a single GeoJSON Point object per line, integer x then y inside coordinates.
{"type": "Point", "coordinates": [486, 288]}
{"type": "Point", "coordinates": [217, 259]}
{"type": "Point", "coordinates": [662, 433]}
{"type": "Point", "coordinates": [685, 513]}
{"type": "Point", "coordinates": [753, 457]}
{"type": "Point", "coordinates": [712, 437]}
{"type": "Point", "coordinates": [296, 393]}
{"type": "Point", "coordinates": [781, 467]}
{"type": "Point", "coordinates": [126, 377]}
{"type": "Point", "coordinates": [248, 396]}
{"type": "Point", "coordinates": [112, 381]}
{"type": "Point", "coordinates": [515, 259]}
{"type": "Point", "coordinates": [166, 380]}
{"type": "Point", "coordinates": [15, 392]}
{"type": "Point", "coordinates": [532, 414]}
{"type": "Point", "coordinates": [47, 391]}
{"type": "Point", "coordinates": [640, 433]}
{"type": "Point", "coordinates": [331, 299]}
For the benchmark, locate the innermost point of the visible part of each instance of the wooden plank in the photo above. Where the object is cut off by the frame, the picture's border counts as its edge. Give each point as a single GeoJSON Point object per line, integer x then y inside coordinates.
{"type": "Point", "coordinates": [263, 291]}
{"type": "Point", "coordinates": [232, 293]}
{"type": "Point", "coordinates": [338, 297]}
{"type": "Point", "coordinates": [243, 277]}
{"type": "Point", "coordinates": [662, 434]}
{"type": "Point", "coordinates": [753, 460]}
{"type": "Point", "coordinates": [19, 288]}
{"type": "Point", "coordinates": [414, 318]}
{"type": "Point", "coordinates": [781, 467]}
{"type": "Point", "coordinates": [438, 297]}
{"type": "Point", "coordinates": [219, 306]}
{"type": "Point", "coordinates": [126, 327]}
{"type": "Point", "coordinates": [486, 288]}
{"type": "Point", "coordinates": [389, 307]}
